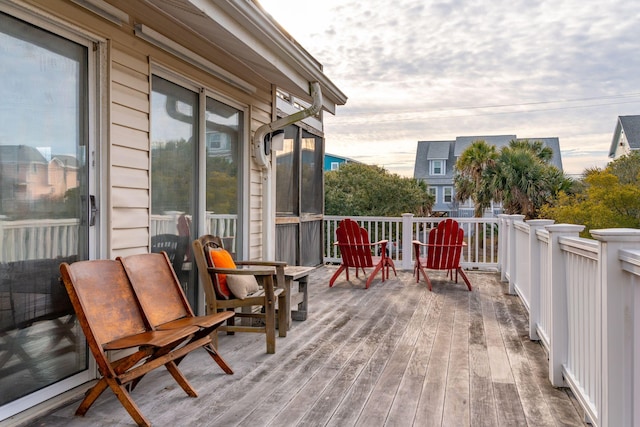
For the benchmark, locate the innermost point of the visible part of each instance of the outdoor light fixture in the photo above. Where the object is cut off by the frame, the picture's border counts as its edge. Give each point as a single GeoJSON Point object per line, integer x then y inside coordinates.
{"type": "Point", "coordinates": [165, 43]}
{"type": "Point", "coordinates": [274, 141]}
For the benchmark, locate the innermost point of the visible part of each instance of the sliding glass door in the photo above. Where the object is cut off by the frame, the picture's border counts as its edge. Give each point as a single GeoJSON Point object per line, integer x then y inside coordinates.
{"type": "Point", "coordinates": [44, 197]}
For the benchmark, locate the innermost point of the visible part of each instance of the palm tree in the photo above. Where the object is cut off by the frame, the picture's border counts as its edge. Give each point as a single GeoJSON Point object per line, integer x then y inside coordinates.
{"type": "Point", "coordinates": [524, 180]}
{"type": "Point", "coordinates": [469, 180]}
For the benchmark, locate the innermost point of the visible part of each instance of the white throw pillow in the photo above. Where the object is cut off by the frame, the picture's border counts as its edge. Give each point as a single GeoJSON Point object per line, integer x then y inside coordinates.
{"type": "Point", "coordinates": [242, 285]}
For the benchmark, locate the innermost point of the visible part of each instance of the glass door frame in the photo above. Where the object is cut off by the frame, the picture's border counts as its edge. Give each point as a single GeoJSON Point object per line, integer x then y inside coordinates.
{"type": "Point", "coordinates": [96, 117]}
{"type": "Point", "coordinates": [200, 208]}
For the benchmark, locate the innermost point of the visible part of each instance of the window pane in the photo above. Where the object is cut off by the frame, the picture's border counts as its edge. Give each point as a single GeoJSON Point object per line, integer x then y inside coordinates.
{"type": "Point", "coordinates": [287, 174]}
{"type": "Point", "coordinates": [174, 114]}
{"type": "Point", "coordinates": [312, 165]}
{"type": "Point", "coordinates": [223, 136]}
{"type": "Point", "coordinates": [43, 184]}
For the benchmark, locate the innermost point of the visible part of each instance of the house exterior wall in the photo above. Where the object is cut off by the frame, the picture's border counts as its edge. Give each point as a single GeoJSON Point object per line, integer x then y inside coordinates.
{"type": "Point", "coordinates": [126, 143]}
{"type": "Point", "coordinates": [118, 95]}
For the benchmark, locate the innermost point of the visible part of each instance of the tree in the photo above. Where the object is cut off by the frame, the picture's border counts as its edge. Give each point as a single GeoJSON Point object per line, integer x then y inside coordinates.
{"type": "Point", "coordinates": [608, 198]}
{"type": "Point", "coordinates": [360, 190]}
{"type": "Point", "coordinates": [469, 179]}
{"type": "Point", "coordinates": [520, 176]}
{"type": "Point", "coordinates": [524, 180]}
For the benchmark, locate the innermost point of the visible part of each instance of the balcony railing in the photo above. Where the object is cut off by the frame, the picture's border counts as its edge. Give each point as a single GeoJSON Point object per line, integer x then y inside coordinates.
{"type": "Point", "coordinates": [583, 298]}
{"type": "Point", "coordinates": [582, 295]}
{"type": "Point", "coordinates": [480, 234]}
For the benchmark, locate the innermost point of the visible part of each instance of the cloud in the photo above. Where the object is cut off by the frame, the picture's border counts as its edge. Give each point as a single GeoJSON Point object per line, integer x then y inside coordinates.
{"type": "Point", "coordinates": [412, 68]}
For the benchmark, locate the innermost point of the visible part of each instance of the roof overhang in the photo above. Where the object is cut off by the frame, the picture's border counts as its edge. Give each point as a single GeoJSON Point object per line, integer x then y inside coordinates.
{"type": "Point", "coordinates": [245, 31]}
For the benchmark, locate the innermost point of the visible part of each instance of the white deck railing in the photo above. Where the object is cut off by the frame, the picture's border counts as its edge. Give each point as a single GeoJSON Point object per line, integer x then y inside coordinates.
{"type": "Point", "coordinates": [583, 298]}
{"type": "Point", "coordinates": [38, 239]}
{"type": "Point", "coordinates": [582, 295]}
{"type": "Point", "coordinates": [481, 236]}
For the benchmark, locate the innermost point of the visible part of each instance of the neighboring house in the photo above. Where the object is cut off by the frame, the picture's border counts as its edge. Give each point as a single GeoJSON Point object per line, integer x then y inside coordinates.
{"type": "Point", "coordinates": [332, 162]}
{"type": "Point", "coordinates": [167, 107]}
{"type": "Point", "coordinates": [626, 137]}
{"type": "Point", "coordinates": [435, 161]}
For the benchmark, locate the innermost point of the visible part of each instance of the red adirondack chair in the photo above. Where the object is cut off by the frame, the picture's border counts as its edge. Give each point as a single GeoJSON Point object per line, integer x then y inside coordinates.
{"type": "Point", "coordinates": [356, 251]}
{"type": "Point", "coordinates": [443, 252]}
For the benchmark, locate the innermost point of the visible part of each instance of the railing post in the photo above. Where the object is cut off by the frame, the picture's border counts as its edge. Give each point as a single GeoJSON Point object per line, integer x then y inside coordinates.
{"type": "Point", "coordinates": [502, 246]}
{"type": "Point", "coordinates": [534, 275]}
{"type": "Point", "coordinates": [512, 251]}
{"type": "Point", "coordinates": [559, 328]}
{"type": "Point", "coordinates": [407, 237]}
{"type": "Point", "coordinates": [617, 327]}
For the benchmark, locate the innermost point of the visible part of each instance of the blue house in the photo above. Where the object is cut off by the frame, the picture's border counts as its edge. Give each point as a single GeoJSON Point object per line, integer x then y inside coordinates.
{"type": "Point", "coordinates": [435, 161]}
{"type": "Point", "coordinates": [333, 162]}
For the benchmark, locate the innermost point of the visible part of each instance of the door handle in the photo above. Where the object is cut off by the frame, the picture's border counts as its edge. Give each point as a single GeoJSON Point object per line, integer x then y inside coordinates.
{"type": "Point", "coordinates": [94, 210]}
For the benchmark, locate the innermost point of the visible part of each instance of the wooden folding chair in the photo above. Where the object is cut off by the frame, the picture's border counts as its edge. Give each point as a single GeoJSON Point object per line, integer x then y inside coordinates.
{"type": "Point", "coordinates": [164, 303]}
{"type": "Point", "coordinates": [111, 319]}
{"type": "Point", "coordinates": [444, 251]}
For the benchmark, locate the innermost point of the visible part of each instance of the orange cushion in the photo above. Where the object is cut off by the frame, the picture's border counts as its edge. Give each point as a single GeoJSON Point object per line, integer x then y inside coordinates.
{"type": "Point", "coordinates": [220, 258]}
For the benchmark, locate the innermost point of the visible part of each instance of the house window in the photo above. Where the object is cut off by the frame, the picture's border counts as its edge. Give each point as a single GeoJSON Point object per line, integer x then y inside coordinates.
{"type": "Point", "coordinates": [448, 194]}
{"type": "Point", "coordinates": [335, 166]}
{"type": "Point", "coordinates": [179, 129]}
{"type": "Point", "coordinates": [437, 167]}
{"type": "Point", "coordinates": [434, 192]}
{"type": "Point", "coordinates": [299, 198]}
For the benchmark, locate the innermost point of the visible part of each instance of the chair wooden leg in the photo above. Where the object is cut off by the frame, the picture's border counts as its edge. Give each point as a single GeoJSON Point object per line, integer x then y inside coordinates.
{"type": "Point", "coordinates": [465, 278]}
{"type": "Point", "coordinates": [426, 278]}
{"type": "Point", "coordinates": [180, 379]}
{"type": "Point", "coordinates": [270, 326]}
{"type": "Point", "coordinates": [125, 399]}
{"type": "Point", "coordinates": [337, 273]}
{"type": "Point", "coordinates": [283, 316]}
{"type": "Point", "coordinates": [373, 274]}
{"type": "Point", "coordinates": [218, 359]}
{"type": "Point", "coordinates": [91, 396]}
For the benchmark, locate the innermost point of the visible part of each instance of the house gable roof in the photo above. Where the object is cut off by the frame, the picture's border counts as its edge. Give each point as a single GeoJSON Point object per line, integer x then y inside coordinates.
{"type": "Point", "coordinates": [20, 154]}
{"type": "Point", "coordinates": [499, 141]}
{"type": "Point", "coordinates": [630, 126]}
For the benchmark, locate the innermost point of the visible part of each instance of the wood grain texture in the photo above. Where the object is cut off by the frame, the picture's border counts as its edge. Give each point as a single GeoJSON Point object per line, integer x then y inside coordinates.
{"type": "Point", "coordinates": [392, 355]}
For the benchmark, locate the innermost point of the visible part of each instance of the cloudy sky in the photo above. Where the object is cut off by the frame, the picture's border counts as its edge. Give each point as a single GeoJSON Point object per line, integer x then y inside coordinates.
{"type": "Point", "coordinates": [417, 70]}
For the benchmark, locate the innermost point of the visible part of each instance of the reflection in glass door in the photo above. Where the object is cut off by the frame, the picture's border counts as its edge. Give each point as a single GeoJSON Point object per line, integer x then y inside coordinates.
{"type": "Point", "coordinates": [174, 130]}
{"type": "Point", "coordinates": [43, 205]}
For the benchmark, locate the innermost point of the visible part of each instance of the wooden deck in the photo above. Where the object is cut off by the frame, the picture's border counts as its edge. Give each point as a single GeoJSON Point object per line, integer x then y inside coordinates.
{"type": "Point", "coordinates": [394, 355]}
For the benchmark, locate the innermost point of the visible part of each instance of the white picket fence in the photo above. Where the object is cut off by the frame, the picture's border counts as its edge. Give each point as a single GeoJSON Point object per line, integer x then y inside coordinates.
{"type": "Point", "coordinates": [583, 298]}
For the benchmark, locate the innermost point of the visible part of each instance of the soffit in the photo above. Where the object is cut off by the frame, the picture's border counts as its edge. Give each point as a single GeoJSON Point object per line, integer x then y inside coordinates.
{"type": "Point", "coordinates": [246, 32]}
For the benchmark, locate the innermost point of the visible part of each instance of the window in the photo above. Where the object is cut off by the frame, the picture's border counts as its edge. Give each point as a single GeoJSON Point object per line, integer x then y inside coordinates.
{"type": "Point", "coordinates": [181, 134]}
{"type": "Point", "coordinates": [434, 192]}
{"type": "Point", "coordinates": [335, 166]}
{"type": "Point", "coordinates": [448, 194]}
{"type": "Point", "coordinates": [437, 167]}
{"type": "Point", "coordinates": [311, 196]}
{"type": "Point", "coordinates": [299, 198]}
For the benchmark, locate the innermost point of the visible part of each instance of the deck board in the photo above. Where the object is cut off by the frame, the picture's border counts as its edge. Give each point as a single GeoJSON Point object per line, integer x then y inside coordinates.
{"type": "Point", "coordinates": [392, 355]}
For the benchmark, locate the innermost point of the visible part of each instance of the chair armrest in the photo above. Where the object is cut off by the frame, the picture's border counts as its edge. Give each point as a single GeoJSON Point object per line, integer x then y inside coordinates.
{"type": "Point", "coordinates": [379, 242]}
{"type": "Point", "coordinates": [243, 271]}
{"type": "Point", "coordinates": [263, 263]}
